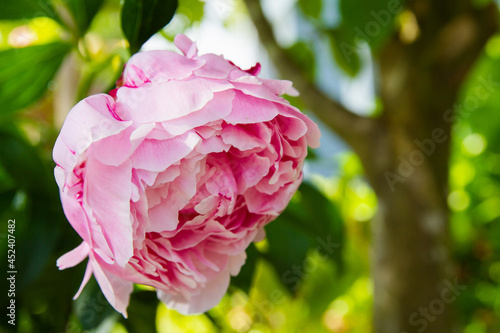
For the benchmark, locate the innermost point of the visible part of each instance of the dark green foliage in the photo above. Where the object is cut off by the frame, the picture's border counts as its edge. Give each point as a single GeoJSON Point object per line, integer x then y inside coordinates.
{"type": "Point", "coordinates": [26, 9]}
{"type": "Point", "coordinates": [25, 74]}
{"type": "Point", "coordinates": [303, 55]}
{"type": "Point", "coordinates": [83, 12]}
{"type": "Point", "coordinates": [310, 225]}
{"type": "Point", "coordinates": [142, 312]}
{"type": "Point", "coordinates": [141, 19]}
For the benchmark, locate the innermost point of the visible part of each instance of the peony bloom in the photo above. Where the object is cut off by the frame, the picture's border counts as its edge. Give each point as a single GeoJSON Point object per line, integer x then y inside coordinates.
{"type": "Point", "coordinates": [170, 177]}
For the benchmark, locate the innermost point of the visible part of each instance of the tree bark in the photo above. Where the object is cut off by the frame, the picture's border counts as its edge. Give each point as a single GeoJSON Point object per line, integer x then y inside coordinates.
{"type": "Point", "coordinates": [405, 155]}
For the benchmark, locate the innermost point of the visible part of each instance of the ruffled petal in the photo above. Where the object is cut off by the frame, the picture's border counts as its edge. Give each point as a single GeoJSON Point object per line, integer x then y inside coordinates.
{"type": "Point", "coordinates": [156, 102]}
{"type": "Point", "coordinates": [249, 109]}
{"type": "Point", "coordinates": [207, 298]}
{"type": "Point", "coordinates": [108, 192]}
{"type": "Point", "coordinates": [220, 106]}
{"type": "Point", "coordinates": [89, 121]}
{"type": "Point", "coordinates": [156, 155]}
{"type": "Point", "coordinates": [158, 66]}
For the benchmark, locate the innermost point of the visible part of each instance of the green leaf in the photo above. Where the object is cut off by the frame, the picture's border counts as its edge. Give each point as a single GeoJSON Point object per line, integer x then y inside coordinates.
{"type": "Point", "coordinates": [287, 252]}
{"type": "Point", "coordinates": [141, 19]}
{"type": "Point", "coordinates": [345, 53]}
{"type": "Point", "coordinates": [311, 8]}
{"type": "Point", "coordinates": [369, 20]}
{"type": "Point", "coordinates": [141, 312]}
{"type": "Point", "coordinates": [303, 56]}
{"type": "Point", "coordinates": [325, 283]}
{"type": "Point", "coordinates": [83, 12]}
{"type": "Point", "coordinates": [245, 277]}
{"type": "Point", "coordinates": [25, 9]}
{"type": "Point", "coordinates": [26, 72]}
{"type": "Point", "coordinates": [319, 288]}
{"type": "Point", "coordinates": [310, 223]}
{"type": "Point", "coordinates": [316, 216]}
{"type": "Point", "coordinates": [21, 162]}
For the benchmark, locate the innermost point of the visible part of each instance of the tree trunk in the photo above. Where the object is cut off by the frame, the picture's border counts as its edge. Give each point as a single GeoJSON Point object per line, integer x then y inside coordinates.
{"type": "Point", "coordinates": [405, 154]}
{"type": "Point", "coordinates": [414, 279]}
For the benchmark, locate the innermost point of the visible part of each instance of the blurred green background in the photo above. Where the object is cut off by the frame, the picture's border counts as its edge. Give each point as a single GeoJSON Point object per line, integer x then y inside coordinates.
{"type": "Point", "coordinates": [312, 272]}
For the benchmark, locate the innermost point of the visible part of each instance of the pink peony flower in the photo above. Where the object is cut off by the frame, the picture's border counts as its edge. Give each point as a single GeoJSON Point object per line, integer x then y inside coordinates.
{"type": "Point", "coordinates": [170, 178]}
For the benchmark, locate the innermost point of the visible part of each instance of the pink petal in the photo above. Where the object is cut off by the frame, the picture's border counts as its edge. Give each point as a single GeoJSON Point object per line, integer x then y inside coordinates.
{"type": "Point", "coordinates": [186, 45]}
{"type": "Point", "coordinates": [216, 67]}
{"type": "Point", "coordinates": [76, 216]}
{"type": "Point", "coordinates": [89, 121]}
{"type": "Point", "coordinates": [209, 296]}
{"type": "Point", "coordinates": [158, 66]}
{"type": "Point", "coordinates": [108, 193]}
{"type": "Point", "coordinates": [260, 203]}
{"type": "Point", "coordinates": [86, 278]}
{"type": "Point", "coordinates": [248, 171]}
{"type": "Point", "coordinates": [74, 257]}
{"type": "Point", "coordinates": [313, 134]}
{"type": "Point", "coordinates": [280, 87]}
{"type": "Point", "coordinates": [117, 291]}
{"type": "Point", "coordinates": [219, 107]}
{"type": "Point", "coordinates": [242, 137]}
{"type": "Point", "coordinates": [154, 155]}
{"type": "Point", "coordinates": [248, 109]}
{"type": "Point", "coordinates": [156, 102]}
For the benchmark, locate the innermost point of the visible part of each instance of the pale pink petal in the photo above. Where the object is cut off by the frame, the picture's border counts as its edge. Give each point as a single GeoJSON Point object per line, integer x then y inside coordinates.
{"type": "Point", "coordinates": [280, 87]}
{"type": "Point", "coordinates": [214, 144]}
{"type": "Point", "coordinates": [249, 109]}
{"type": "Point", "coordinates": [219, 107]}
{"type": "Point", "coordinates": [216, 67]}
{"type": "Point", "coordinates": [158, 66]}
{"type": "Point", "coordinates": [186, 45]}
{"type": "Point", "coordinates": [90, 120]}
{"type": "Point", "coordinates": [242, 137]}
{"type": "Point", "coordinates": [236, 262]}
{"type": "Point", "coordinates": [108, 193]}
{"type": "Point", "coordinates": [166, 100]}
{"type": "Point", "coordinates": [155, 155]}
{"type": "Point", "coordinates": [86, 278]}
{"type": "Point", "coordinates": [74, 257]}
{"type": "Point", "coordinates": [164, 216]}
{"type": "Point", "coordinates": [261, 234]}
{"type": "Point", "coordinates": [260, 203]}
{"type": "Point", "coordinates": [117, 291]}
{"type": "Point", "coordinates": [76, 216]}
{"type": "Point", "coordinates": [313, 134]}
{"type": "Point", "coordinates": [208, 297]}
{"type": "Point", "coordinates": [249, 170]}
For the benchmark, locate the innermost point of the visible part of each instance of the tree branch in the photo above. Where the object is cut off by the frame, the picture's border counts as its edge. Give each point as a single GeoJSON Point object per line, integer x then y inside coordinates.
{"type": "Point", "coordinates": [353, 128]}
